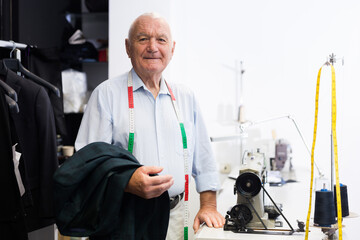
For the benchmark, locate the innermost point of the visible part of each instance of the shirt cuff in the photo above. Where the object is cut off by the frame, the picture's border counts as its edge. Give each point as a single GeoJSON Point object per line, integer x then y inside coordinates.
{"type": "Point", "coordinates": [207, 182]}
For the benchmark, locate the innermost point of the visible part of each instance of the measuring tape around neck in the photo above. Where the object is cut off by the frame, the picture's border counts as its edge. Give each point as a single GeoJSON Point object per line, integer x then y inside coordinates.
{"type": "Point", "coordinates": [184, 142]}
{"type": "Point", "coordinates": [334, 139]}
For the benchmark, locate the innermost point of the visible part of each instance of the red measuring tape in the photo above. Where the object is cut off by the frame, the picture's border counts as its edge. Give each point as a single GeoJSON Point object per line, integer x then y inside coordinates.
{"type": "Point", "coordinates": [184, 141]}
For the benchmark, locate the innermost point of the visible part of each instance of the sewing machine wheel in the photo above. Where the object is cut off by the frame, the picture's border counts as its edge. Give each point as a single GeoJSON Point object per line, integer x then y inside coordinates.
{"type": "Point", "coordinates": [241, 211]}
{"type": "Point", "coordinates": [248, 184]}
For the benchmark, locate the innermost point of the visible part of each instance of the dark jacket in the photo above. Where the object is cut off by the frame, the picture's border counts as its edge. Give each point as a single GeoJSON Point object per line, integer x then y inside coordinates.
{"type": "Point", "coordinates": [45, 63]}
{"type": "Point", "coordinates": [12, 220]}
{"type": "Point", "coordinates": [34, 128]}
{"type": "Point", "coordinates": [90, 199]}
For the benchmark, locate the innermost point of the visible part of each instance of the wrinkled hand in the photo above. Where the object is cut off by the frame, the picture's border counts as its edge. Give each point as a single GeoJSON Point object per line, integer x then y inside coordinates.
{"type": "Point", "coordinates": [146, 186]}
{"type": "Point", "coordinates": [208, 213]}
{"type": "Point", "coordinates": [210, 216]}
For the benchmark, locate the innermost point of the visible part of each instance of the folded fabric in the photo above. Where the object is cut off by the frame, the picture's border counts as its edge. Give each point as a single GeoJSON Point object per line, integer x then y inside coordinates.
{"type": "Point", "coordinates": [90, 199]}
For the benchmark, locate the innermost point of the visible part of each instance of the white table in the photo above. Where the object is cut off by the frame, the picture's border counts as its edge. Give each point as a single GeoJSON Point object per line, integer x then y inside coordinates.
{"type": "Point", "coordinates": [295, 200]}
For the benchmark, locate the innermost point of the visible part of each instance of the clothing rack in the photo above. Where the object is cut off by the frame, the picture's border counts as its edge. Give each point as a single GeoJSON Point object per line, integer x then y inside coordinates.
{"type": "Point", "coordinates": [15, 64]}
{"type": "Point", "coordinates": [11, 44]}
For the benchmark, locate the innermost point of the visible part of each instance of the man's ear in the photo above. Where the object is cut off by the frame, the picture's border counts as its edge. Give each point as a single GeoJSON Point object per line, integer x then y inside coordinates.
{"type": "Point", "coordinates": [127, 46]}
{"type": "Point", "coordinates": [173, 48]}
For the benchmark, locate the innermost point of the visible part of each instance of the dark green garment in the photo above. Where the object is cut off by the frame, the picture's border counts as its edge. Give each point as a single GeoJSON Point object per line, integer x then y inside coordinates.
{"type": "Point", "coordinates": [90, 198]}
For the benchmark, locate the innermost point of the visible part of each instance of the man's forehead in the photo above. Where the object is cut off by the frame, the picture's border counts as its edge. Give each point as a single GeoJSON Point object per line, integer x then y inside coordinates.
{"type": "Point", "coordinates": [151, 23]}
{"type": "Point", "coordinates": [152, 33]}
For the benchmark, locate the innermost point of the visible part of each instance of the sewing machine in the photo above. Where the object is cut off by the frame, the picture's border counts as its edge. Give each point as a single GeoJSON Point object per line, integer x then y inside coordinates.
{"type": "Point", "coordinates": [250, 214]}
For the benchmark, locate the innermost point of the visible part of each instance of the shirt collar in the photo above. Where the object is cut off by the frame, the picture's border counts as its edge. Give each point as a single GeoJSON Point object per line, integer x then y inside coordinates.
{"type": "Point", "coordinates": [138, 83]}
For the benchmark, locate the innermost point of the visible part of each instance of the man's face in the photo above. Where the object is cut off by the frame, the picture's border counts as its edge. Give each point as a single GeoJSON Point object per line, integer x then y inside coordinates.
{"type": "Point", "coordinates": [150, 46]}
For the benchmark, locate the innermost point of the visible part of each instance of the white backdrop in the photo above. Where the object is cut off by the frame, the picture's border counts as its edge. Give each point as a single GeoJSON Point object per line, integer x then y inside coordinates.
{"type": "Point", "coordinates": [282, 45]}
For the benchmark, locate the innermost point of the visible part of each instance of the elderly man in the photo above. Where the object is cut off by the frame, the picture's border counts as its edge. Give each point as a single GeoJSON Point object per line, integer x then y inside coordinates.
{"type": "Point", "coordinates": [160, 123]}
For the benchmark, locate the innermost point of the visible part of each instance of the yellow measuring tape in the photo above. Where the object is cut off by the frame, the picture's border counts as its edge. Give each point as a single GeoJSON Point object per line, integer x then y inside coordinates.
{"type": "Point", "coordinates": [333, 129]}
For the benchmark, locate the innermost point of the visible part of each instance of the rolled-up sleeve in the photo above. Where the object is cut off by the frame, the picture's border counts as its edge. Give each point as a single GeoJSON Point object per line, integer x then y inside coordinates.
{"type": "Point", "coordinates": [204, 171]}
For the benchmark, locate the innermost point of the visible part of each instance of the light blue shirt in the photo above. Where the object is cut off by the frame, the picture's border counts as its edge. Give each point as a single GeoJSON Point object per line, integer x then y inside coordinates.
{"type": "Point", "coordinates": [158, 140]}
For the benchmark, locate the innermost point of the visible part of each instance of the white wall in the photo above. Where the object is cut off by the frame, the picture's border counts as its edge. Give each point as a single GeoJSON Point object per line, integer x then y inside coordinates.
{"type": "Point", "coordinates": [282, 45]}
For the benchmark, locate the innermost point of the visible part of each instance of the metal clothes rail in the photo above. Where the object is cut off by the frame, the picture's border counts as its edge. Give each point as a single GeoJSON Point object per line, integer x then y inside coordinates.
{"type": "Point", "coordinates": [11, 44]}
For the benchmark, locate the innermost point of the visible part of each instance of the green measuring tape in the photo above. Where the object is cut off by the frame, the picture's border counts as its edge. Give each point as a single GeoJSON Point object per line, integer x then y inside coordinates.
{"type": "Point", "coordinates": [184, 141]}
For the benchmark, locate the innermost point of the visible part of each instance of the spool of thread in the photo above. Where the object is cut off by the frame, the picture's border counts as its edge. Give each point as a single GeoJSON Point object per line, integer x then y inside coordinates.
{"type": "Point", "coordinates": [324, 208]}
{"type": "Point", "coordinates": [344, 200]}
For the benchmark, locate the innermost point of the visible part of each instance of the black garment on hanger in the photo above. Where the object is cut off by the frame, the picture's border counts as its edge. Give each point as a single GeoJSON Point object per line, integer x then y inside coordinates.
{"type": "Point", "coordinates": [16, 66]}
{"type": "Point", "coordinates": [12, 220]}
{"type": "Point", "coordinates": [35, 128]}
{"type": "Point", "coordinates": [45, 63]}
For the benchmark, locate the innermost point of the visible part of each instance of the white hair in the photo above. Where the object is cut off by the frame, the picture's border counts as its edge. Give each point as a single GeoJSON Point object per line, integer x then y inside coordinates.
{"type": "Point", "coordinates": [152, 15]}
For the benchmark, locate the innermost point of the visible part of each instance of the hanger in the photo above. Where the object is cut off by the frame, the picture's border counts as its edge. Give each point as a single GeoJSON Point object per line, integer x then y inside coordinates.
{"type": "Point", "coordinates": [12, 104]}
{"type": "Point", "coordinates": [8, 90]}
{"type": "Point", "coordinates": [15, 65]}
{"type": "Point", "coordinates": [10, 94]}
